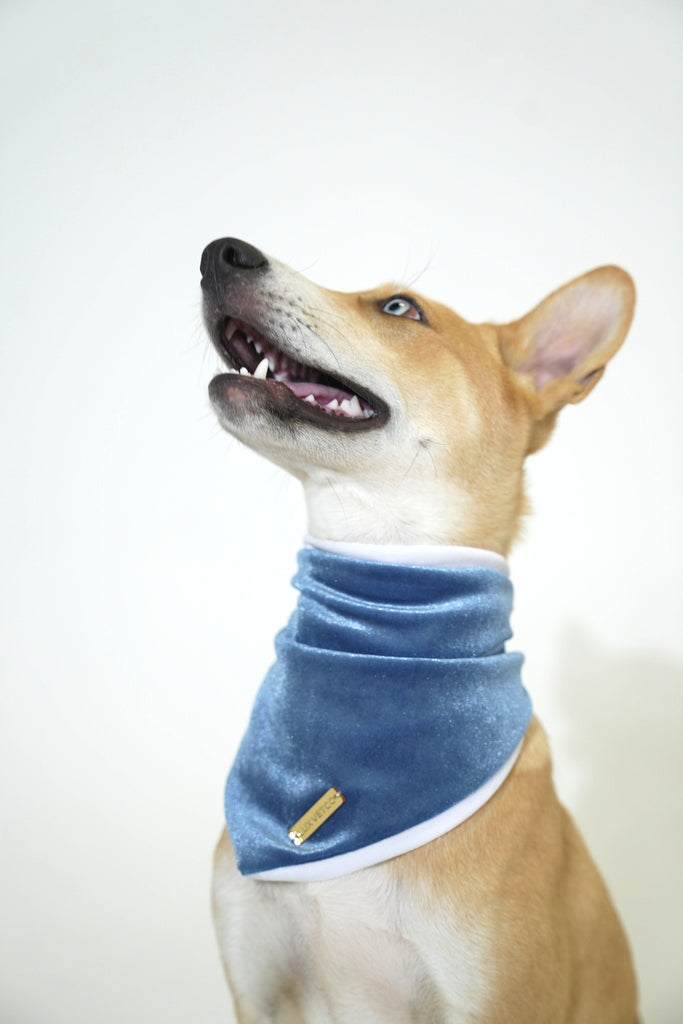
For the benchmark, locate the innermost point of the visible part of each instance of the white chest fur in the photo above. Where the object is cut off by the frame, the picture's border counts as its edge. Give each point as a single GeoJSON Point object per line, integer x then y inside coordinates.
{"type": "Point", "coordinates": [355, 949]}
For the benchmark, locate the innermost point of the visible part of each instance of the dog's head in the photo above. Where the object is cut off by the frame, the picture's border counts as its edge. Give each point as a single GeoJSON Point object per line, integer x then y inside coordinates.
{"type": "Point", "coordinates": [405, 422]}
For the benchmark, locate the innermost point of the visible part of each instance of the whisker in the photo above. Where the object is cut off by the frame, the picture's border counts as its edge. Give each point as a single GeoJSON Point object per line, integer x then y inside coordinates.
{"type": "Point", "coordinates": [426, 267]}
{"type": "Point", "coordinates": [313, 263]}
{"type": "Point", "coordinates": [423, 447]}
{"type": "Point", "coordinates": [304, 330]}
{"type": "Point", "coordinates": [334, 491]}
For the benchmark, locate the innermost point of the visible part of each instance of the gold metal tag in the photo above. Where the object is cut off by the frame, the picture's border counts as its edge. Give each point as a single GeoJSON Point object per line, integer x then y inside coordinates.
{"type": "Point", "coordinates": [321, 810]}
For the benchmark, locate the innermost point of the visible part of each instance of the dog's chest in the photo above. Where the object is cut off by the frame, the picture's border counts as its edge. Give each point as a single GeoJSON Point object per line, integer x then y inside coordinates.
{"type": "Point", "coordinates": [362, 947]}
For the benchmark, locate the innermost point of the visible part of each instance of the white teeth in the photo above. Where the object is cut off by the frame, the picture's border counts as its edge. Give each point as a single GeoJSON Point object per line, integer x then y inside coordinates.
{"type": "Point", "coordinates": [257, 345]}
{"type": "Point", "coordinates": [334, 404]}
{"type": "Point", "coordinates": [244, 372]}
{"type": "Point", "coordinates": [311, 399]}
{"type": "Point", "coordinates": [355, 407]}
{"type": "Point", "coordinates": [346, 406]}
{"type": "Point", "coordinates": [261, 370]}
{"type": "Point", "coordinates": [231, 330]}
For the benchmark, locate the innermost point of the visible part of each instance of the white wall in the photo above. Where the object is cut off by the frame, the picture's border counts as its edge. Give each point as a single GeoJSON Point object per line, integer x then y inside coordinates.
{"type": "Point", "coordinates": [501, 148]}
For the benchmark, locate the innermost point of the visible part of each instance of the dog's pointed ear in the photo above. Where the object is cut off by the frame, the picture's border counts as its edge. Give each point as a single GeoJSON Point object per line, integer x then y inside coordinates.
{"type": "Point", "coordinates": [560, 349]}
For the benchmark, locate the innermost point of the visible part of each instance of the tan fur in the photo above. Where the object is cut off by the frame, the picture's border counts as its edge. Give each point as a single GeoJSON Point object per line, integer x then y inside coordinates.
{"type": "Point", "coordinates": [504, 920]}
{"type": "Point", "coordinates": [520, 866]}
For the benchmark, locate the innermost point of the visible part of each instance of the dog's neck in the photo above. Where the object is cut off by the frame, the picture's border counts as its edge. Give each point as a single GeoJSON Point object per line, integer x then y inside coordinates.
{"type": "Point", "coordinates": [383, 512]}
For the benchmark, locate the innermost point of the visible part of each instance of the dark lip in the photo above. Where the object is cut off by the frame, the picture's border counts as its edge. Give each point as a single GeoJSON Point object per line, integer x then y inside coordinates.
{"type": "Point", "coordinates": [278, 399]}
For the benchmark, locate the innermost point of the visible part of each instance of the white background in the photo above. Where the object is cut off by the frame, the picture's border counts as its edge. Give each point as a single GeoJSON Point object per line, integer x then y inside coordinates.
{"type": "Point", "coordinates": [501, 148]}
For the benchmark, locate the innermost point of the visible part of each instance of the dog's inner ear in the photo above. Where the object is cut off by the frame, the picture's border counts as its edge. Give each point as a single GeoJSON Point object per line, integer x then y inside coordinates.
{"type": "Point", "coordinates": [560, 349]}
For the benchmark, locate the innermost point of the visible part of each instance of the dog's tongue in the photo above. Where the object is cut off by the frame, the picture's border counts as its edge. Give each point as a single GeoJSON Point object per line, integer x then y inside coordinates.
{"type": "Point", "coordinates": [322, 393]}
{"type": "Point", "coordinates": [331, 399]}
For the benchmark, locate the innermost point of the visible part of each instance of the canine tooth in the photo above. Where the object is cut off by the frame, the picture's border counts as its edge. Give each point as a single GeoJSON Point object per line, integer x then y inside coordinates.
{"type": "Point", "coordinates": [345, 406]}
{"type": "Point", "coordinates": [230, 330]}
{"type": "Point", "coordinates": [354, 406]}
{"type": "Point", "coordinates": [334, 404]}
{"type": "Point", "coordinates": [257, 345]}
{"type": "Point", "coordinates": [261, 370]}
{"type": "Point", "coordinates": [311, 399]}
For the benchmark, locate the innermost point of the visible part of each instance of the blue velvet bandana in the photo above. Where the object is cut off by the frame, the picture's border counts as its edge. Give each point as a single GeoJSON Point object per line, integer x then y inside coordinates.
{"type": "Point", "coordinates": [391, 685]}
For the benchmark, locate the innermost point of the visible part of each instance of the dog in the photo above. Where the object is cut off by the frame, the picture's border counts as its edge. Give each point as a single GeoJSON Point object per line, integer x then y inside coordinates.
{"type": "Point", "coordinates": [408, 427]}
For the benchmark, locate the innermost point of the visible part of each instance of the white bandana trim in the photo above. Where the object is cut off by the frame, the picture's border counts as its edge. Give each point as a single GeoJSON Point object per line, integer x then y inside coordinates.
{"type": "Point", "coordinates": [440, 556]}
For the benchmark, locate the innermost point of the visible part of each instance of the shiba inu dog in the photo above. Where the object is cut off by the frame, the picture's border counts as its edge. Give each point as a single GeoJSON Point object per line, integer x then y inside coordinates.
{"type": "Point", "coordinates": [395, 848]}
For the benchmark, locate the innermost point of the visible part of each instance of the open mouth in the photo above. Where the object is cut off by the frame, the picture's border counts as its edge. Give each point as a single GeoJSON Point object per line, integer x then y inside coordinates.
{"type": "Point", "coordinates": [324, 399]}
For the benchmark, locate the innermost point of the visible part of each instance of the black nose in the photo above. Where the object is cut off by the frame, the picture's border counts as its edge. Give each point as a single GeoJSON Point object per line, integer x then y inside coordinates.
{"type": "Point", "coordinates": [226, 256]}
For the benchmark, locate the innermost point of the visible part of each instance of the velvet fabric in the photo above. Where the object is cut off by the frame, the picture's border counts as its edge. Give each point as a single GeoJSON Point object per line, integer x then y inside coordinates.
{"type": "Point", "coordinates": [392, 684]}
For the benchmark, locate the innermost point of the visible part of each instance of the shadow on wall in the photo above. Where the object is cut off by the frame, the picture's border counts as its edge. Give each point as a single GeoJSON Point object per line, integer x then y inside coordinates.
{"type": "Point", "coordinates": [622, 715]}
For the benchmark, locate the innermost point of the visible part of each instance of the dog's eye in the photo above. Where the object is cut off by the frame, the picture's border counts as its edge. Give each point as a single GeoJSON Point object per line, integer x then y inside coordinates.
{"type": "Point", "coordinates": [399, 305]}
